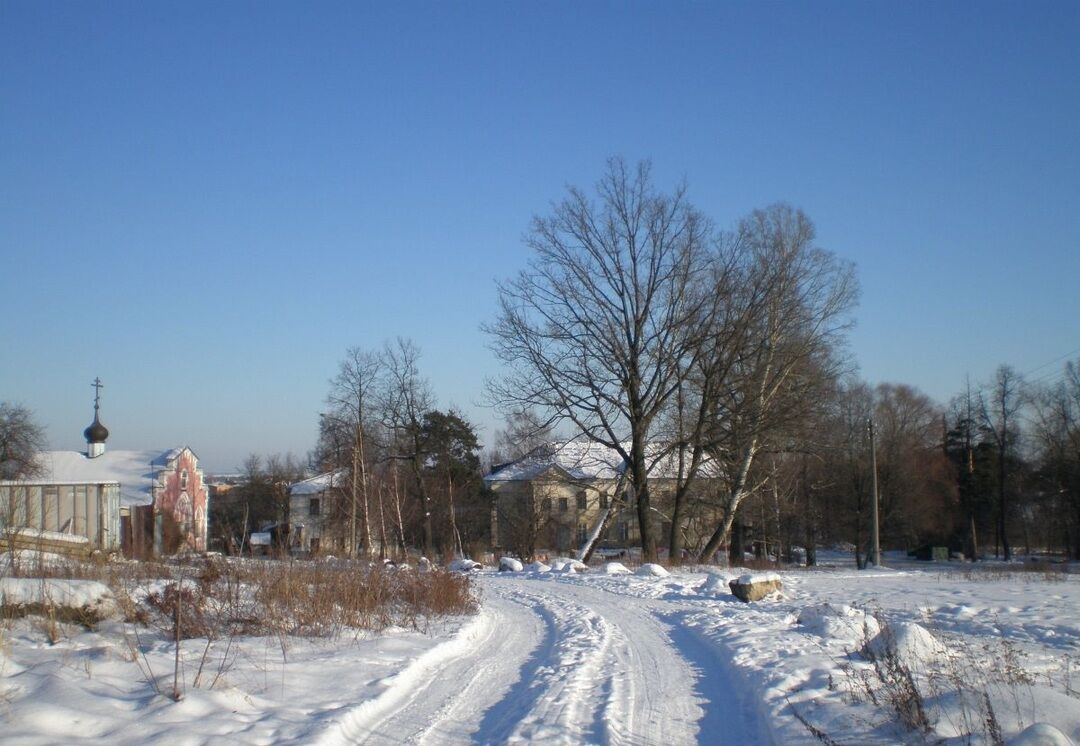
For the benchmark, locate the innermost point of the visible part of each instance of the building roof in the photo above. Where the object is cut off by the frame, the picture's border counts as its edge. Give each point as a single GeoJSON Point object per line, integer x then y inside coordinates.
{"type": "Point", "coordinates": [135, 471]}
{"type": "Point", "coordinates": [585, 460]}
{"type": "Point", "coordinates": [579, 459]}
{"type": "Point", "coordinates": [319, 483]}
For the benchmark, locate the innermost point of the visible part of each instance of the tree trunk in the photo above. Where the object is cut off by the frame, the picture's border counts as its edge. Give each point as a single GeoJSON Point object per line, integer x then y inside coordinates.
{"type": "Point", "coordinates": [425, 503]}
{"type": "Point", "coordinates": [735, 544]}
{"type": "Point", "coordinates": [382, 520]}
{"type": "Point", "coordinates": [352, 505]}
{"type": "Point", "coordinates": [586, 552]}
{"type": "Point", "coordinates": [640, 481]}
{"type": "Point", "coordinates": [1006, 549]}
{"type": "Point", "coordinates": [675, 535]}
{"type": "Point", "coordinates": [973, 541]}
{"type": "Point", "coordinates": [364, 513]}
{"type": "Point", "coordinates": [735, 497]}
{"type": "Point", "coordinates": [400, 522]}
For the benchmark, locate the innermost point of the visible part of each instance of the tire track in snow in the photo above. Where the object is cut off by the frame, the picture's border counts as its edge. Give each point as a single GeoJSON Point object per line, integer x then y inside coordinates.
{"type": "Point", "coordinates": [633, 688]}
{"type": "Point", "coordinates": [562, 693]}
{"type": "Point", "coordinates": [419, 702]}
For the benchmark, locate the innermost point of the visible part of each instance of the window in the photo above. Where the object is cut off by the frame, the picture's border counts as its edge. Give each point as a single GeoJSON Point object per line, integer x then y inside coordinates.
{"type": "Point", "coordinates": [183, 479]}
{"type": "Point", "coordinates": [545, 504]}
{"type": "Point", "coordinates": [582, 500]}
{"type": "Point", "coordinates": [624, 531]}
{"type": "Point", "coordinates": [603, 501]}
{"type": "Point", "coordinates": [313, 506]}
{"type": "Point", "coordinates": [564, 504]}
{"type": "Point", "coordinates": [582, 533]}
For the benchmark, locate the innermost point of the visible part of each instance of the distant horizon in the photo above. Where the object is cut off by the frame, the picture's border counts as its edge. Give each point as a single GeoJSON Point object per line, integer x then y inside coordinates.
{"type": "Point", "coordinates": [206, 205]}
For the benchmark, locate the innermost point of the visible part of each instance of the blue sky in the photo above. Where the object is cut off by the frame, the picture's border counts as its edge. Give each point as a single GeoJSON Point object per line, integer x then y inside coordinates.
{"type": "Point", "coordinates": [205, 204]}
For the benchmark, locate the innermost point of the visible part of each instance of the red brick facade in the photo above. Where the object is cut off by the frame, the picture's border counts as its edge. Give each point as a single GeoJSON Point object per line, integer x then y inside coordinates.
{"type": "Point", "coordinates": [181, 495]}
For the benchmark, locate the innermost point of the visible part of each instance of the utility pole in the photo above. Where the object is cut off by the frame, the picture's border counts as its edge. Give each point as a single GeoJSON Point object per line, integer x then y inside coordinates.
{"type": "Point", "coordinates": [875, 542]}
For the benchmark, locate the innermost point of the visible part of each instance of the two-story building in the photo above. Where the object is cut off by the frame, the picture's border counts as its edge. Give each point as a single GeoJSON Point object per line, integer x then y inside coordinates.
{"type": "Point", "coordinates": [555, 496]}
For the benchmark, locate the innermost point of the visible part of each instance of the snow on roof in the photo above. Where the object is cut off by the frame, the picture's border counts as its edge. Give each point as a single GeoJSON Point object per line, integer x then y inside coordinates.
{"type": "Point", "coordinates": [135, 471]}
{"type": "Point", "coordinates": [579, 459]}
{"type": "Point", "coordinates": [319, 483]}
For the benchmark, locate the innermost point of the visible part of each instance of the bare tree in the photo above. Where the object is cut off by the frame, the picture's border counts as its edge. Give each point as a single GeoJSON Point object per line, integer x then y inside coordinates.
{"type": "Point", "coordinates": [405, 397]}
{"type": "Point", "coordinates": [21, 440]}
{"type": "Point", "coordinates": [998, 413]}
{"type": "Point", "coordinates": [1057, 432]}
{"type": "Point", "coordinates": [918, 493]}
{"type": "Point", "coordinates": [21, 443]}
{"type": "Point", "coordinates": [800, 311]}
{"type": "Point", "coordinates": [351, 402]}
{"type": "Point", "coordinates": [525, 432]}
{"type": "Point", "coordinates": [598, 328]}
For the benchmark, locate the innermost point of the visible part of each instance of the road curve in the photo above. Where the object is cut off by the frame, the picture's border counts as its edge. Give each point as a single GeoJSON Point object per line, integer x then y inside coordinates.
{"type": "Point", "coordinates": [544, 662]}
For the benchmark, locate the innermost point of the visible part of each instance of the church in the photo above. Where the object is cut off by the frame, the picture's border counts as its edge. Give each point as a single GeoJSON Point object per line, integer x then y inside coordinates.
{"type": "Point", "coordinates": [141, 502]}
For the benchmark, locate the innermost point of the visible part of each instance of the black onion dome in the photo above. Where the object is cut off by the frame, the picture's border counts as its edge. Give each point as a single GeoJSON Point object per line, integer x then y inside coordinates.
{"type": "Point", "coordinates": [96, 433]}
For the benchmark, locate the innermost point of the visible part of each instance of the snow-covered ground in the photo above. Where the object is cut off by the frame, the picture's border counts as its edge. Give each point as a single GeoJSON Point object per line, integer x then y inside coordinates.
{"type": "Point", "coordinates": [596, 657]}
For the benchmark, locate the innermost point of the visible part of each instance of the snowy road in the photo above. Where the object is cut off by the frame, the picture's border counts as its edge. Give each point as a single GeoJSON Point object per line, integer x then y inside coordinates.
{"type": "Point", "coordinates": [550, 662]}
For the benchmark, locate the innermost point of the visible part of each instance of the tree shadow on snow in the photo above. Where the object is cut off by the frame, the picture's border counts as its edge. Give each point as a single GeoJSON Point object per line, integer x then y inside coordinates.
{"type": "Point", "coordinates": [727, 717]}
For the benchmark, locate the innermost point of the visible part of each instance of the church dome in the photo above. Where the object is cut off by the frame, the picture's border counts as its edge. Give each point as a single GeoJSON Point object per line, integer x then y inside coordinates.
{"type": "Point", "coordinates": [96, 433]}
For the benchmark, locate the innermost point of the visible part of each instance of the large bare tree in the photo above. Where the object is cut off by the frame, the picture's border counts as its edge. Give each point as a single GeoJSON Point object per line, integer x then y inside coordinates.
{"type": "Point", "coordinates": [597, 330]}
{"type": "Point", "coordinates": [351, 402]}
{"type": "Point", "coordinates": [800, 311]}
{"type": "Point", "coordinates": [405, 397]}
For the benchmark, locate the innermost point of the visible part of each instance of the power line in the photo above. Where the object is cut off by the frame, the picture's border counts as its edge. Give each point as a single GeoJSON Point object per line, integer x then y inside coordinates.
{"type": "Point", "coordinates": [1055, 360]}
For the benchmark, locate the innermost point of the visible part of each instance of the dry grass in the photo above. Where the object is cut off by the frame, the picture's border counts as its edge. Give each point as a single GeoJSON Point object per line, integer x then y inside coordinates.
{"type": "Point", "coordinates": [219, 597]}
{"type": "Point", "coordinates": [1053, 572]}
{"type": "Point", "coordinates": [973, 676]}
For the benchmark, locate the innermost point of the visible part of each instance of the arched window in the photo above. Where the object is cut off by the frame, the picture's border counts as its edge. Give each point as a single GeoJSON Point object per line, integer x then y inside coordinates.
{"type": "Point", "coordinates": [183, 513]}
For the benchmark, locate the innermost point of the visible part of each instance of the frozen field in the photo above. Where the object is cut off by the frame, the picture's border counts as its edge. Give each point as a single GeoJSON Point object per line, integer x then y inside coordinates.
{"type": "Point", "coordinates": [962, 656]}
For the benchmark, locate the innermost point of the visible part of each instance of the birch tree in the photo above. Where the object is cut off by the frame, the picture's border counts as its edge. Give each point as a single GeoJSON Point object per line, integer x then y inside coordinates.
{"type": "Point", "coordinates": [802, 300]}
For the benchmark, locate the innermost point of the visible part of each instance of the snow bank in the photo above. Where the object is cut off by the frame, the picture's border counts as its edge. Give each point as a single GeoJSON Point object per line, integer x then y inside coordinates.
{"type": "Point", "coordinates": [912, 643]}
{"type": "Point", "coordinates": [8, 667]}
{"type": "Point", "coordinates": [616, 568]}
{"type": "Point", "coordinates": [31, 558]}
{"type": "Point", "coordinates": [568, 565]}
{"type": "Point", "coordinates": [87, 596]}
{"type": "Point", "coordinates": [839, 622]}
{"type": "Point", "coordinates": [715, 585]}
{"type": "Point", "coordinates": [650, 569]}
{"type": "Point", "coordinates": [509, 564]}
{"type": "Point", "coordinates": [33, 533]}
{"type": "Point", "coordinates": [1041, 734]}
{"type": "Point", "coordinates": [464, 565]}
{"type": "Point", "coordinates": [538, 567]}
